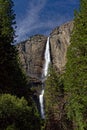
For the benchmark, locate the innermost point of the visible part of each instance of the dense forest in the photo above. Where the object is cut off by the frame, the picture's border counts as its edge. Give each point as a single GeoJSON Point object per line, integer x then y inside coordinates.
{"type": "Point", "coordinates": [65, 92]}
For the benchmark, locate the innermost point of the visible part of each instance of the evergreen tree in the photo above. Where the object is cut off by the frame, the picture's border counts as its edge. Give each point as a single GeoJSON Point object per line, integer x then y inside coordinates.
{"type": "Point", "coordinates": [7, 20]}
{"type": "Point", "coordinates": [54, 101]}
{"type": "Point", "coordinates": [76, 71]}
{"type": "Point", "coordinates": [15, 113]}
{"type": "Point", "coordinates": [12, 78]}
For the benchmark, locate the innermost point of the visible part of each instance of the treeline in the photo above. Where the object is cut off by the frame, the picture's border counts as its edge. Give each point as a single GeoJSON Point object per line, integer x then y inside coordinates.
{"type": "Point", "coordinates": [17, 109]}
{"type": "Point", "coordinates": [55, 101]}
{"type": "Point", "coordinates": [66, 94]}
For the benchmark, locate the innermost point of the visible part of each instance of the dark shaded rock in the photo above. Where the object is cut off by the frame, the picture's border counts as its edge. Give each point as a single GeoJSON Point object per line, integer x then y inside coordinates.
{"type": "Point", "coordinates": [31, 53]}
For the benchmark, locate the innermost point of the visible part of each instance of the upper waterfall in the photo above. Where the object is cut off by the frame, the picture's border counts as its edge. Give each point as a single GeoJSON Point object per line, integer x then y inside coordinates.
{"type": "Point", "coordinates": [47, 58]}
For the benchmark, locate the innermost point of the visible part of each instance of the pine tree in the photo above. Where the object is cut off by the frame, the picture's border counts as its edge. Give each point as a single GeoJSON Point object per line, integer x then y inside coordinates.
{"type": "Point", "coordinates": [12, 78]}
{"type": "Point", "coordinates": [54, 102]}
{"type": "Point", "coordinates": [76, 70]}
{"type": "Point", "coordinates": [7, 20]}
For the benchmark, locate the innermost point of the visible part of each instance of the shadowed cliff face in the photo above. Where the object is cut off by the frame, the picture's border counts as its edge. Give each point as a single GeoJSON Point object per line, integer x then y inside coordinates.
{"type": "Point", "coordinates": [59, 41]}
{"type": "Point", "coordinates": [31, 51]}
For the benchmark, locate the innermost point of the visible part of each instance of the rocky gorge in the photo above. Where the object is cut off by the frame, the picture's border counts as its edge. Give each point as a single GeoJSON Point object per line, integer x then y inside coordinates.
{"type": "Point", "coordinates": [31, 51]}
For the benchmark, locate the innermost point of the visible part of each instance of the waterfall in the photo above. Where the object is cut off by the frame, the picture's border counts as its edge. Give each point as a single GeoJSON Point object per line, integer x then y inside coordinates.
{"type": "Point", "coordinates": [42, 104]}
{"type": "Point", "coordinates": [45, 72]}
{"type": "Point", "coordinates": [47, 58]}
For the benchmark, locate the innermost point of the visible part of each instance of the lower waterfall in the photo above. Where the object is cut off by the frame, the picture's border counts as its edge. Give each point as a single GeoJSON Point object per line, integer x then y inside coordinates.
{"type": "Point", "coordinates": [41, 100]}
{"type": "Point", "coordinates": [45, 72]}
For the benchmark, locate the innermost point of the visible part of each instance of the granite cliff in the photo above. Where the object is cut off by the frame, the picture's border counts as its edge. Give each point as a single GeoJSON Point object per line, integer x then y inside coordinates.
{"type": "Point", "coordinates": [59, 41]}
{"type": "Point", "coordinates": [31, 51]}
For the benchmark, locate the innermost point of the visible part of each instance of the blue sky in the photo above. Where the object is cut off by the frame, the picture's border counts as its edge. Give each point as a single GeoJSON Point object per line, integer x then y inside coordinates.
{"type": "Point", "coordinates": [41, 16]}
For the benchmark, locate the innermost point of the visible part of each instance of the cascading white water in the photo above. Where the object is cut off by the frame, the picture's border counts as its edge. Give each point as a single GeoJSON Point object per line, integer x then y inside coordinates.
{"type": "Point", "coordinates": [41, 104]}
{"type": "Point", "coordinates": [47, 58]}
{"type": "Point", "coordinates": [45, 72]}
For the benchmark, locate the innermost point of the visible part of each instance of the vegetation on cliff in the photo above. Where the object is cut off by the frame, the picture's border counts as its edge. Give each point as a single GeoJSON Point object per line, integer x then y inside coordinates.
{"type": "Point", "coordinates": [56, 118]}
{"type": "Point", "coordinates": [53, 93]}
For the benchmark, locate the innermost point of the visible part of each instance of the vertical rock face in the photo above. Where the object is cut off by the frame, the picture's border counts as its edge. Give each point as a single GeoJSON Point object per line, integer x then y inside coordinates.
{"type": "Point", "coordinates": [31, 53]}
{"type": "Point", "coordinates": [59, 41]}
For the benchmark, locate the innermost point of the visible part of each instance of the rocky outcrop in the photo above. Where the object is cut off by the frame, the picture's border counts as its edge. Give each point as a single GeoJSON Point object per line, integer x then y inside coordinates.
{"type": "Point", "coordinates": [31, 53]}
{"type": "Point", "coordinates": [59, 41]}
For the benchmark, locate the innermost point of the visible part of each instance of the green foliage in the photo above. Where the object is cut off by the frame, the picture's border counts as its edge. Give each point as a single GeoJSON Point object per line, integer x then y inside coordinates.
{"type": "Point", "coordinates": [7, 20]}
{"type": "Point", "coordinates": [11, 127]}
{"type": "Point", "coordinates": [16, 113]}
{"type": "Point", "coordinates": [12, 78]}
{"type": "Point", "coordinates": [53, 99]}
{"type": "Point", "coordinates": [54, 87]}
{"type": "Point", "coordinates": [76, 70]}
